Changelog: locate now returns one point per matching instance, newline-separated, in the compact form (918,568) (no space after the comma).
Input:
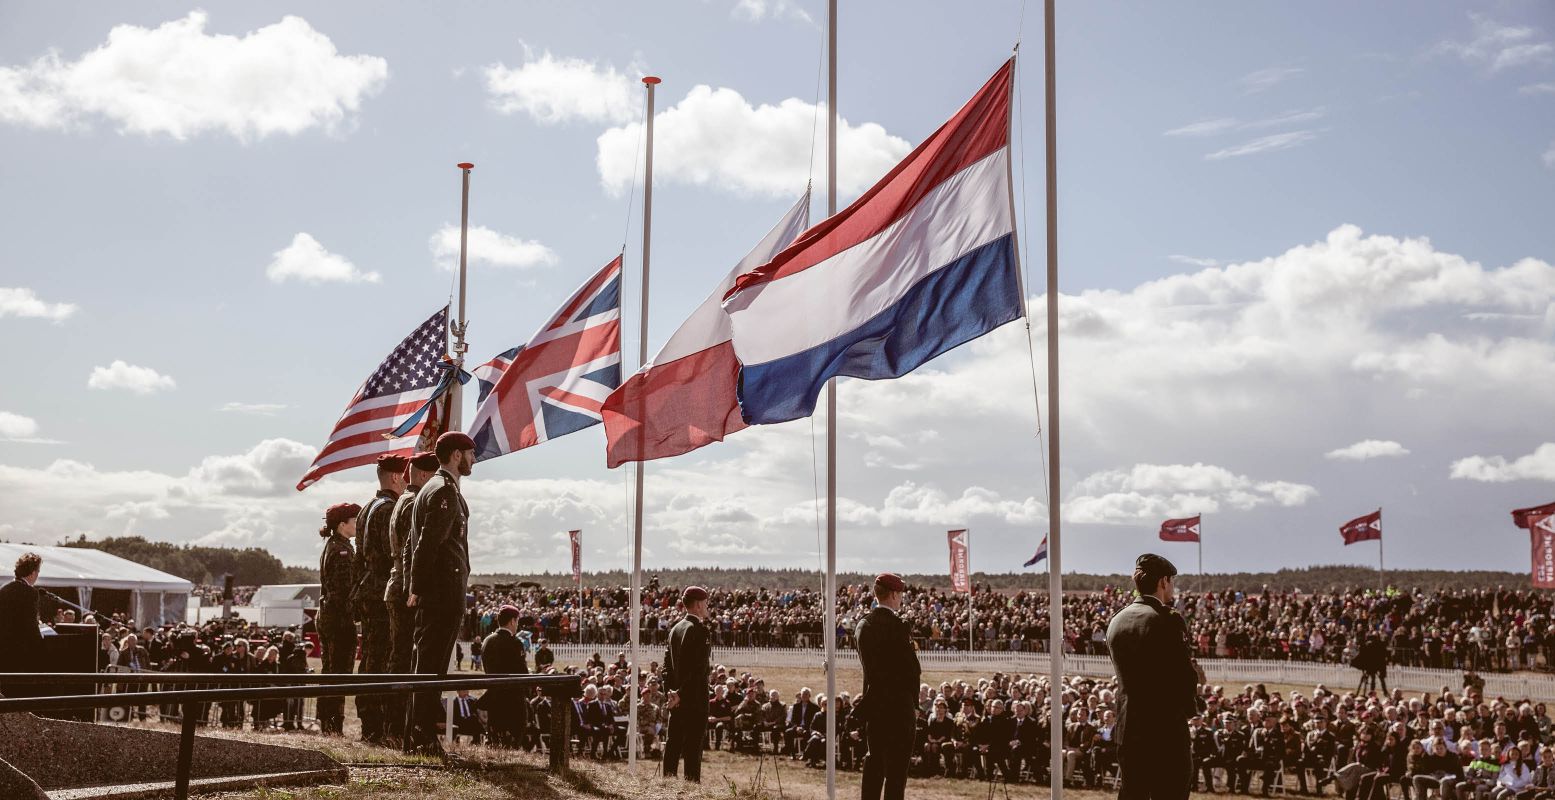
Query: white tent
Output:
(155,596)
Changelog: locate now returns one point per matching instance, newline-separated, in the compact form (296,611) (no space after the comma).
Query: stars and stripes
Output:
(401,388)
(557,383)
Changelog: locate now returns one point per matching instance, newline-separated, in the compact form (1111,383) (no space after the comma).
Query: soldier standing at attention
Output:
(402,618)
(890,699)
(687,661)
(336,627)
(1157,687)
(439,571)
(372,578)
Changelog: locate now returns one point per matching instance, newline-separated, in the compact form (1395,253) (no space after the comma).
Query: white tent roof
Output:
(77,566)
(276,592)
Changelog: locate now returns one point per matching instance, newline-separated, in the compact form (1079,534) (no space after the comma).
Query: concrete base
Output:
(43,758)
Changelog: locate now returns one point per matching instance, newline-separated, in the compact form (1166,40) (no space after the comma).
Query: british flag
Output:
(556,383)
(394,407)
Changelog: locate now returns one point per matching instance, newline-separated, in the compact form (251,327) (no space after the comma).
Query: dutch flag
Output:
(922,262)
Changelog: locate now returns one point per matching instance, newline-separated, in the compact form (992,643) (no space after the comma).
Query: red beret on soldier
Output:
(891,582)
(693,594)
(340,512)
(426,461)
(390,462)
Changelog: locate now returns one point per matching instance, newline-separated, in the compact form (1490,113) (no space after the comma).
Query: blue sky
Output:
(1286,231)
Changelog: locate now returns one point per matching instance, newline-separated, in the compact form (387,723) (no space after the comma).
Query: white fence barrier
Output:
(1228,672)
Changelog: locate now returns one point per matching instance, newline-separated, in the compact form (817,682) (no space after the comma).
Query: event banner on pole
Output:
(577,554)
(1180,530)
(1363,529)
(1541,528)
(960,580)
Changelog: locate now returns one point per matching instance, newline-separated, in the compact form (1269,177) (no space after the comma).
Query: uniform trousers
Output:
(375,660)
(402,632)
(437,628)
(888,734)
(337,635)
(685,739)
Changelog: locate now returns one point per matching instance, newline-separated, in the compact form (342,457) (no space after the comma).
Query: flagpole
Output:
(642,358)
(1201,552)
(456,389)
(1382,578)
(829,636)
(971,609)
(1055,580)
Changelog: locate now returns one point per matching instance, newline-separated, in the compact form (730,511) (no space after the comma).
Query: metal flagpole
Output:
(830,634)
(1382,578)
(1200,515)
(971,610)
(642,358)
(1055,580)
(456,391)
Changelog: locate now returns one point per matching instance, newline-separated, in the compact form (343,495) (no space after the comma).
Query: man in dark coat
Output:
(1157,687)
(23,648)
(402,618)
(504,655)
(439,574)
(687,661)
(335,619)
(373,561)
(889,703)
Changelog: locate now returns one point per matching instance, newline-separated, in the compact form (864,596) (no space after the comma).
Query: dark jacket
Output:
(23,650)
(1156,696)
(399,537)
(337,574)
(440,563)
(687,661)
(891,670)
(373,559)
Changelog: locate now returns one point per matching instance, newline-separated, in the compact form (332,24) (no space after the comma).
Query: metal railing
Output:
(561,687)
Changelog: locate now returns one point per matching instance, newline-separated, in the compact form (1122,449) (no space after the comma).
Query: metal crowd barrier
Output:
(561,688)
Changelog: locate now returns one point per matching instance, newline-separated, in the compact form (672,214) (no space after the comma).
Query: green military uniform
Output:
(1157,688)
(888,706)
(372,562)
(402,618)
(335,622)
(439,572)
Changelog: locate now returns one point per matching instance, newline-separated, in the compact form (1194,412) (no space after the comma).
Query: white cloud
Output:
(910,503)
(715,137)
(119,375)
(1152,492)
(1208,127)
(1264,144)
(1497,46)
(259,409)
(306,260)
(487,246)
(179,81)
(18,302)
(1195,262)
(271,467)
(1367,449)
(1536,466)
(1264,79)
(758,10)
(20,429)
(552,90)
(1547,87)
(1549,156)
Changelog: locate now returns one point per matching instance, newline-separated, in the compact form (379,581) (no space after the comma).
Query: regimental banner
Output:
(960,578)
(1520,516)
(1362,529)
(577,554)
(1180,530)
(1541,529)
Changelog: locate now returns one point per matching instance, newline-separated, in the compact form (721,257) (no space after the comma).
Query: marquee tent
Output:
(107,583)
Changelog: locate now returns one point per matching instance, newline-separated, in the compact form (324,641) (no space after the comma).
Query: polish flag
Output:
(685,397)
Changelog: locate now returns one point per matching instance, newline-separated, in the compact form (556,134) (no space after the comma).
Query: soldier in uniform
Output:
(439,571)
(1157,687)
(889,703)
(336,626)
(372,578)
(687,661)
(504,655)
(402,618)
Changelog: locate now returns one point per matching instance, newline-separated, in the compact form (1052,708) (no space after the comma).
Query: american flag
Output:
(556,383)
(399,389)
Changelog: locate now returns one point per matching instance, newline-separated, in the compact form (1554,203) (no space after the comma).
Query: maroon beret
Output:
(340,512)
(426,461)
(693,594)
(890,582)
(389,462)
(455,440)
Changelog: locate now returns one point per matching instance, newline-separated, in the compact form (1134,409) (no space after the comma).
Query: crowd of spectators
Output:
(1480,630)
(212,595)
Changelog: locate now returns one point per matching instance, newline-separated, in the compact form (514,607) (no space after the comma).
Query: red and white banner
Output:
(1180,530)
(577,554)
(1541,528)
(1520,516)
(1362,529)
(960,578)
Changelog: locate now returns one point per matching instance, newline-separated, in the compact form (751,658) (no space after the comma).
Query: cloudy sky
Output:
(1306,268)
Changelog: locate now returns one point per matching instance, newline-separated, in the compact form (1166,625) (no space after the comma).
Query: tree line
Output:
(249,566)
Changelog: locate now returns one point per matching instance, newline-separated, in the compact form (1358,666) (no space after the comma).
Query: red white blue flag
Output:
(1040,554)
(921,263)
(555,384)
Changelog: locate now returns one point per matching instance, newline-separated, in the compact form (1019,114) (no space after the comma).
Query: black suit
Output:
(439,572)
(687,661)
(23,649)
(890,700)
(504,655)
(1156,696)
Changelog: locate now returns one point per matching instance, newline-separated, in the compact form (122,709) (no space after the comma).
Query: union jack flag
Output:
(556,383)
(398,393)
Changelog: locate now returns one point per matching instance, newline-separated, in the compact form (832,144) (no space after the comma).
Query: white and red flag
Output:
(1541,529)
(1521,516)
(1180,530)
(960,578)
(577,554)
(1362,529)
(555,384)
(685,398)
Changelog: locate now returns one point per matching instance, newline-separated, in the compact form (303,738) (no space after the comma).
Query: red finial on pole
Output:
(651,80)
(465,165)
